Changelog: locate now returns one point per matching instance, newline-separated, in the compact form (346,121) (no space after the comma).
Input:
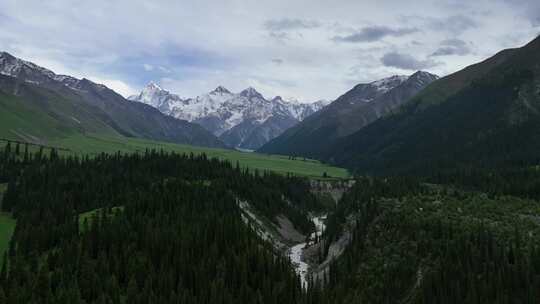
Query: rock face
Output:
(126,118)
(244,120)
(354,110)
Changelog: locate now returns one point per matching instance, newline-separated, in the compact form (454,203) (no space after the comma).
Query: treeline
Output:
(366,191)
(169,230)
(518,180)
(14,157)
(432,244)
(270,193)
(178,238)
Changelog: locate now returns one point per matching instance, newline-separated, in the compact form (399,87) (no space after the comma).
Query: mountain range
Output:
(484,116)
(487,114)
(62,106)
(244,120)
(352,111)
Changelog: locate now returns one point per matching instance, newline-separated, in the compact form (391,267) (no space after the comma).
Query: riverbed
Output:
(296,252)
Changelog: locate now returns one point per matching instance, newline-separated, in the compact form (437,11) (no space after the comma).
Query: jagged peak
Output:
(323,102)
(17,62)
(393,78)
(386,84)
(278,99)
(152,86)
(424,74)
(4,54)
(86,80)
(220,90)
(251,92)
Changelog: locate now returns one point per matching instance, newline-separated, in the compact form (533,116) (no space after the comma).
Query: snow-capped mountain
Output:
(245,120)
(357,108)
(30,72)
(97,108)
(158,98)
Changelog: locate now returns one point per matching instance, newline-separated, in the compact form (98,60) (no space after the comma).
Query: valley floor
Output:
(92,145)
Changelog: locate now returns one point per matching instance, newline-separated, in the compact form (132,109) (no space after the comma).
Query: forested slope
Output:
(420,243)
(487,115)
(166,228)
(178,237)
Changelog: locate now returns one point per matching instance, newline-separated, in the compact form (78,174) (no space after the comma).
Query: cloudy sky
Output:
(304,49)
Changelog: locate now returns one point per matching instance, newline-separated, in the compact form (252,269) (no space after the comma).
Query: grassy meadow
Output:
(95,144)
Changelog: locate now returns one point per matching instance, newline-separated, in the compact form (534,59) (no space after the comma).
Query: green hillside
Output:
(78,129)
(33,118)
(487,115)
(417,243)
(347,114)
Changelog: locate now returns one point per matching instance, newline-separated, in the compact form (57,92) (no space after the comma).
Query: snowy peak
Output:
(278,99)
(33,73)
(422,78)
(319,104)
(157,97)
(386,84)
(233,116)
(251,93)
(368,92)
(15,67)
(152,86)
(5,56)
(220,90)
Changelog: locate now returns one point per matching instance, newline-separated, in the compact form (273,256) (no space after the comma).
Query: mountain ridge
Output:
(355,109)
(486,115)
(245,120)
(126,118)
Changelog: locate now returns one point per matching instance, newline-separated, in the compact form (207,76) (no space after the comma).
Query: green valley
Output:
(69,127)
(96,144)
(137,184)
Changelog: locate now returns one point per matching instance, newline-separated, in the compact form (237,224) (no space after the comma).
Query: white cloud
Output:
(164,69)
(148,67)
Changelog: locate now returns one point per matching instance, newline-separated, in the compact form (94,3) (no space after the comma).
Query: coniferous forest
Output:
(235,152)
(416,242)
(167,228)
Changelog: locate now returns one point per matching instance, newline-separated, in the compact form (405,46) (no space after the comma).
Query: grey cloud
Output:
(277,61)
(101,38)
(286,28)
(455,24)
(530,9)
(374,33)
(406,61)
(453,47)
(534,16)
(287,24)
(279,36)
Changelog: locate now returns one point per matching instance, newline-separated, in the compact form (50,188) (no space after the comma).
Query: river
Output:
(296,252)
